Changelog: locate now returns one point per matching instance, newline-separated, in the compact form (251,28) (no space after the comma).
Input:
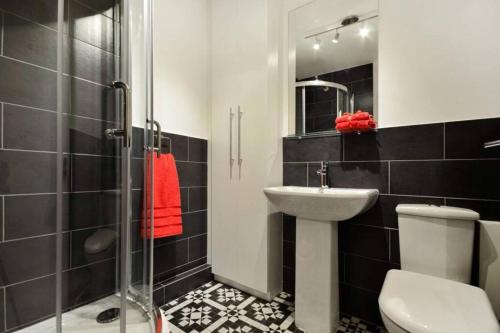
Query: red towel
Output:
(361,115)
(167,199)
(343,118)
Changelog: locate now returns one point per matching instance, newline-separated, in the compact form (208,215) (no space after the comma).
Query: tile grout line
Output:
(1,32)
(389,177)
(444,141)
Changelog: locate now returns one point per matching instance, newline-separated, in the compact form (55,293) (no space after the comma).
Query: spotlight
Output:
(363,32)
(335,39)
(317,44)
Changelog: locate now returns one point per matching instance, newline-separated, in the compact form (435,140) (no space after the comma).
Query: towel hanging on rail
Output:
(167,199)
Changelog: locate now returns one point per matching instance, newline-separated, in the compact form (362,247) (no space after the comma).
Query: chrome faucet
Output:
(323,173)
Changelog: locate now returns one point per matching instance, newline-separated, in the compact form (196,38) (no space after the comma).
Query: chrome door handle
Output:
(240,115)
(158,130)
(125,132)
(231,158)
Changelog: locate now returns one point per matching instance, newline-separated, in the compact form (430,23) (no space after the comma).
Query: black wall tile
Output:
(39,219)
(89,62)
(106,7)
(359,303)
(397,143)
(370,242)
(488,210)
(312,149)
(180,287)
(192,173)
(459,179)
(465,139)
(366,273)
(93,28)
(40,11)
(197,247)
(2,310)
(178,143)
(289,254)
(20,307)
(93,100)
(27,85)
(178,272)
(80,256)
(170,255)
(313,179)
(29,42)
(194,223)
(289,228)
(85,210)
(91,173)
(87,136)
(29,129)
(197,198)
(383,213)
(26,172)
(159,295)
(137,173)
(395,256)
(359,175)
(27,259)
(295,174)
(198,150)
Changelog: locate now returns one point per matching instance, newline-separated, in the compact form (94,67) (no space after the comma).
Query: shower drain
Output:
(108,316)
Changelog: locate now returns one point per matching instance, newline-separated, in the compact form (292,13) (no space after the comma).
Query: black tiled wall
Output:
(441,164)
(179,261)
(321,105)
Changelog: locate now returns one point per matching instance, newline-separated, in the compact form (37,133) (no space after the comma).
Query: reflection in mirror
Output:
(333,48)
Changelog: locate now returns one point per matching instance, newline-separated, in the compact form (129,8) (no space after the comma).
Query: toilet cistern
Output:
(322,172)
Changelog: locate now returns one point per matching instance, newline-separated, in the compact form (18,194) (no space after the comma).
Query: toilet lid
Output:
(426,304)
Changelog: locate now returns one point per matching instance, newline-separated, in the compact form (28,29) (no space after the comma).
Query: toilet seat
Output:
(421,303)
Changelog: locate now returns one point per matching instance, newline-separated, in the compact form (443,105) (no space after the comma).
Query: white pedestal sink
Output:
(316,278)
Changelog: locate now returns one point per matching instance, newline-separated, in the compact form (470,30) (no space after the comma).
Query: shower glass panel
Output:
(72,257)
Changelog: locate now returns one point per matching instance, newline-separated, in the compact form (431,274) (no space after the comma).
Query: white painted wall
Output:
(438,61)
(181,75)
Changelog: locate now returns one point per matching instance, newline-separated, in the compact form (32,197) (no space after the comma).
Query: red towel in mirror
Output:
(167,199)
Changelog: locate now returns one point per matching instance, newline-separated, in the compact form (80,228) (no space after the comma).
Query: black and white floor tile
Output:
(218,308)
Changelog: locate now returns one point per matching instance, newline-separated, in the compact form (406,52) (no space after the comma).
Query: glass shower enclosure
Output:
(90,268)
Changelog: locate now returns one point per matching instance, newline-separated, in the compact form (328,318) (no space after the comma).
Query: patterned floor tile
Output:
(219,308)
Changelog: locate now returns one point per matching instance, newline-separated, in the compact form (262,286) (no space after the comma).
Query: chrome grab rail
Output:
(125,132)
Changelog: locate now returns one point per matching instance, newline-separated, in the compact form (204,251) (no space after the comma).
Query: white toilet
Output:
(430,294)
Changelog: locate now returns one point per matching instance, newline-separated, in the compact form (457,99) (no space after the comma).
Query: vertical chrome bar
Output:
(231,158)
(60,163)
(303,110)
(240,115)
(339,111)
(125,167)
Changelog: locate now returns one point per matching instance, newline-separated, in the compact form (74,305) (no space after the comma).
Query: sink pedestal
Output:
(316,277)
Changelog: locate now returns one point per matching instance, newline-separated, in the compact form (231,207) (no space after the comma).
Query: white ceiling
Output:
(321,15)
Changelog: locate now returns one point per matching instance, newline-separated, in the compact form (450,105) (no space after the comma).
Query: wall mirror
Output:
(333,52)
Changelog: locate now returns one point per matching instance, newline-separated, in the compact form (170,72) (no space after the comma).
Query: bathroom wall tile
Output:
(370,242)
(198,150)
(383,213)
(18,262)
(289,228)
(289,255)
(459,179)
(465,139)
(184,199)
(27,172)
(29,129)
(488,210)
(194,223)
(197,198)
(87,136)
(353,74)
(312,149)
(27,85)
(20,308)
(88,62)
(359,175)
(88,26)
(85,210)
(29,42)
(92,100)
(295,174)
(137,173)
(178,143)
(40,11)
(395,256)
(170,255)
(39,219)
(2,219)
(197,247)
(396,143)
(366,273)
(91,173)
(364,102)
(362,87)
(179,271)
(2,308)
(177,288)
(359,303)
(313,179)
(105,7)
(90,282)
(192,174)
(137,142)
(159,295)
